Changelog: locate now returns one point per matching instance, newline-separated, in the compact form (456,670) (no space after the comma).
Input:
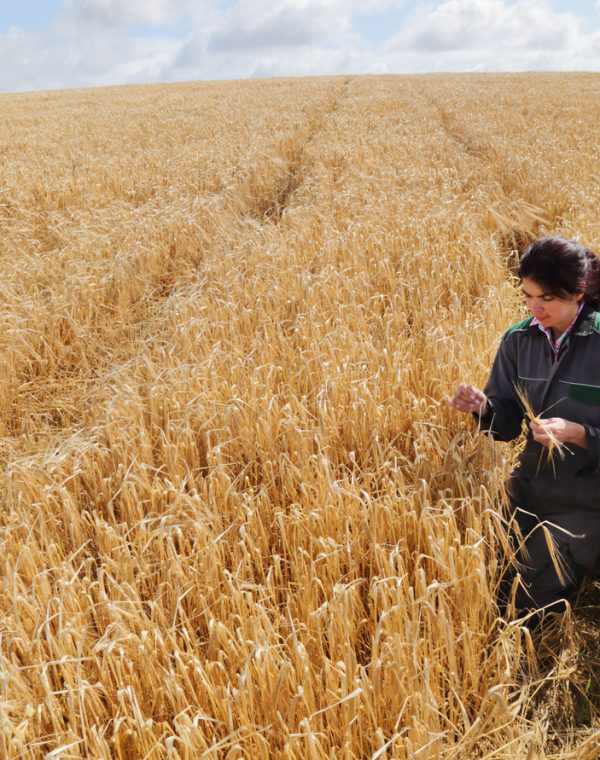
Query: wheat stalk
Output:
(555,446)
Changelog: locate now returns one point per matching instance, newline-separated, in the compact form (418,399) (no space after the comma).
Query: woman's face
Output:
(551,311)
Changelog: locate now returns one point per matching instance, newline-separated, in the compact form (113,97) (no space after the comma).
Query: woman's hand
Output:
(468,398)
(551,429)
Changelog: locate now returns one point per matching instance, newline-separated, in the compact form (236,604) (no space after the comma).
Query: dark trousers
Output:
(541,588)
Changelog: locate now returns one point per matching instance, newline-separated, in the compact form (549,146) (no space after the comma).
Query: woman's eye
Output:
(545,299)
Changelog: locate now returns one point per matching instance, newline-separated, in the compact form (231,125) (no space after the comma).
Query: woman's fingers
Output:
(468,398)
(551,429)
(539,433)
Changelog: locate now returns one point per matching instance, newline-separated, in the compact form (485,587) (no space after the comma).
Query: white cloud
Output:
(30,61)
(493,34)
(121,13)
(463,24)
(278,26)
(259,38)
(94,42)
(262,24)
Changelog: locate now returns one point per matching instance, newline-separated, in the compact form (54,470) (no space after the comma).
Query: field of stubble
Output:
(239,518)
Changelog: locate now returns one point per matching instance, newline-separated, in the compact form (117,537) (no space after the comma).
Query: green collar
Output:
(587,323)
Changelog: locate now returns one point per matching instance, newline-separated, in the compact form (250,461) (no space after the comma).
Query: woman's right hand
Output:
(468,398)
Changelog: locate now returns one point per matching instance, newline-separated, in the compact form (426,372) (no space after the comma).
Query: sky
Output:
(47,44)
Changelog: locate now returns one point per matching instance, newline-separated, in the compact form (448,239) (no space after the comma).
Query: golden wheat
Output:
(239,519)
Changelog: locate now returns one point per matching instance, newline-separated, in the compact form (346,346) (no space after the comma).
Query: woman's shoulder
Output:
(521,326)
(595,315)
(588,322)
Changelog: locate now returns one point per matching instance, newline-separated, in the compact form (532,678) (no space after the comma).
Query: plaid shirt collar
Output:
(556,344)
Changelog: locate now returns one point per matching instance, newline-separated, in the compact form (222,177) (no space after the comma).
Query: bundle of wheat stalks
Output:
(239,518)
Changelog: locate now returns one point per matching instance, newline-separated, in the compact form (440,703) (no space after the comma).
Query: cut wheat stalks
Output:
(555,446)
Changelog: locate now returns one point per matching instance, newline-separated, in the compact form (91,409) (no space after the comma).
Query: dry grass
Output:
(239,518)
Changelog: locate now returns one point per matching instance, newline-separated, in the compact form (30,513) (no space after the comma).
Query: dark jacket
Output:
(567,386)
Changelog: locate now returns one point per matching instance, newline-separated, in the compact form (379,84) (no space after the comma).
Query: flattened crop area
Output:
(239,518)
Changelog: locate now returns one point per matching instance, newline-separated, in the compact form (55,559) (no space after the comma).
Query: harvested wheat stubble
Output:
(240,519)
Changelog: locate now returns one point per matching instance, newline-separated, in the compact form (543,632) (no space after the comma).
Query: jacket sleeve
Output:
(504,417)
(592,438)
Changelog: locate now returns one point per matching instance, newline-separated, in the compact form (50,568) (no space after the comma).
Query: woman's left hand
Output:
(554,429)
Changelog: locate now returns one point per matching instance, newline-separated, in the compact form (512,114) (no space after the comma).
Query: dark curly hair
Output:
(563,268)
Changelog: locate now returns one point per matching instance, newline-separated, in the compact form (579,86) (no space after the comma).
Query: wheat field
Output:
(239,518)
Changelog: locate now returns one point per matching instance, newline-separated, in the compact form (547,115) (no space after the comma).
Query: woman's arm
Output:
(503,416)
(566,431)
(496,408)
(592,444)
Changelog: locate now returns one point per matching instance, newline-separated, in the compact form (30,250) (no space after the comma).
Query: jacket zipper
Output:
(558,358)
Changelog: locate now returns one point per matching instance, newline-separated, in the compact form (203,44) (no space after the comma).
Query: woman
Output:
(552,358)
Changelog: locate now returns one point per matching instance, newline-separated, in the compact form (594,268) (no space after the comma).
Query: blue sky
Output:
(30,15)
(74,43)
